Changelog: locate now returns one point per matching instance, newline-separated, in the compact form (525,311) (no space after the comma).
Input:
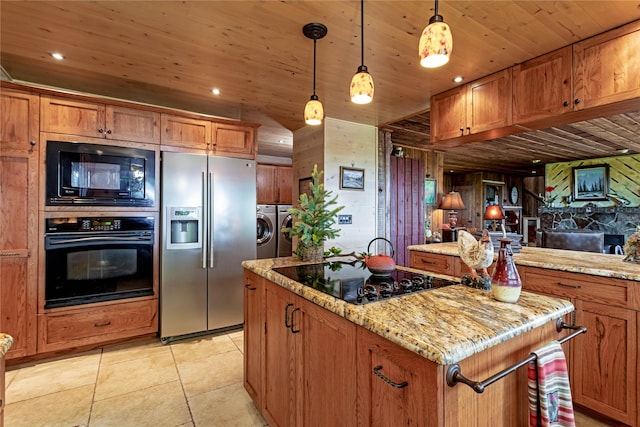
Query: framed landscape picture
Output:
(351,178)
(590,183)
(430,192)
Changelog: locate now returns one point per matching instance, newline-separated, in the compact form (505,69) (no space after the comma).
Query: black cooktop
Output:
(354,283)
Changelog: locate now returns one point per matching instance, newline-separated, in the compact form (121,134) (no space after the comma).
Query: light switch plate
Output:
(344,219)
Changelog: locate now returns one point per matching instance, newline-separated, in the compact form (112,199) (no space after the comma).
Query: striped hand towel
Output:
(549,393)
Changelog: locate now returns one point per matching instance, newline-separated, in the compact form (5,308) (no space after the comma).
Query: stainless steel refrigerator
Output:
(208,229)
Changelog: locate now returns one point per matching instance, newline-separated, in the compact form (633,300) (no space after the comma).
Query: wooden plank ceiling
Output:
(173,53)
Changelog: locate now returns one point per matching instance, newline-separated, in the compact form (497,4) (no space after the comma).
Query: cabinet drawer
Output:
(573,285)
(97,324)
(435,263)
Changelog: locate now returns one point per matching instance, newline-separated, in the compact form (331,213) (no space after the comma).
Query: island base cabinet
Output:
(253,334)
(605,361)
(396,387)
(309,355)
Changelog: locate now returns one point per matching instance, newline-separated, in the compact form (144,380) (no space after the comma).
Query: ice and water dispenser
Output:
(185,231)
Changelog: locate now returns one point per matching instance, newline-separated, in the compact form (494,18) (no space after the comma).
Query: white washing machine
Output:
(267,234)
(284,241)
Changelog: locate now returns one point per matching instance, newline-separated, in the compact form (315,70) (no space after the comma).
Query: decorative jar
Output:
(505,282)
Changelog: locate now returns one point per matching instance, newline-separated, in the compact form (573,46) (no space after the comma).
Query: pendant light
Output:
(362,83)
(313,111)
(436,42)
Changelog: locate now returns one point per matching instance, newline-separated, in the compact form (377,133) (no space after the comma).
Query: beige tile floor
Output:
(191,383)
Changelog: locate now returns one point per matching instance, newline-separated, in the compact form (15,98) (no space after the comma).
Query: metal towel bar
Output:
(454,375)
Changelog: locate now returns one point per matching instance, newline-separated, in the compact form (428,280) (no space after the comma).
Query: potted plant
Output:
(314,219)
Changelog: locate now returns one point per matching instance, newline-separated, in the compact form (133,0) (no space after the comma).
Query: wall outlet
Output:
(344,219)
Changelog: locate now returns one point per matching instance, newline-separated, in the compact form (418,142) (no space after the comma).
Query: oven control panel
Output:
(80,224)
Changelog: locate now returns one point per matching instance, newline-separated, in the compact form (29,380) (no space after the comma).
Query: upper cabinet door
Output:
(130,124)
(185,132)
(234,140)
(448,114)
(489,102)
(71,117)
(542,86)
(607,67)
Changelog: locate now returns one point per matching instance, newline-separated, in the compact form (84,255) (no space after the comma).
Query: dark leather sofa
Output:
(575,240)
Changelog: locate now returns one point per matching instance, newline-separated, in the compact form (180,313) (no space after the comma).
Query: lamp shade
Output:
(436,43)
(361,90)
(313,111)
(451,201)
(493,212)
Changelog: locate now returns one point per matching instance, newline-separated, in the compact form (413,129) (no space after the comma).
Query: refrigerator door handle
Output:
(203,223)
(211,235)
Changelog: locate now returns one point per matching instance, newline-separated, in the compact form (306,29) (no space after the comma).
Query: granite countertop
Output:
(444,325)
(557,259)
(5,343)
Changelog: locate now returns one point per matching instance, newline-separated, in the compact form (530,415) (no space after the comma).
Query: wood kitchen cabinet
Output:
(607,67)
(481,105)
(305,381)
(96,323)
(254,286)
(435,263)
(2,387)
(542,87)
(403,401)
(234,140)
(19,189)
(97,120)
(220,139)
(274,184)
(603,363)
(185,132)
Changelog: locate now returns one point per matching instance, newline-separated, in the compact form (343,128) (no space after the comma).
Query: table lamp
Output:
(494,213)
(452,201)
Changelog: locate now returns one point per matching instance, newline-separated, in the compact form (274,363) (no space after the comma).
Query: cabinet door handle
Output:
(295,331)
(286,315)
(566,285)
(100,130)
(576,101)
(565,104)
(99,325)
(392,383)
(249,287)
(109,131)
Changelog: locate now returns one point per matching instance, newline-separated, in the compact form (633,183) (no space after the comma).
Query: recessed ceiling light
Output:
(534,172)
(535,161)
(281,141)
(215,91)
(458,79)
(623,150)
(57,56)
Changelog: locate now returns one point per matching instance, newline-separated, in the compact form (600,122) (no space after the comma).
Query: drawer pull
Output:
(376,371)
(250,288)
(427,262)
(99,325)
(568,285)
(10,254)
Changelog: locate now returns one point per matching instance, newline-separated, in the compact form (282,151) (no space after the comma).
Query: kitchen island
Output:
(606,294)
(313,359)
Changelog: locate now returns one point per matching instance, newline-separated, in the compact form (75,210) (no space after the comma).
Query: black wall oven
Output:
(91,260)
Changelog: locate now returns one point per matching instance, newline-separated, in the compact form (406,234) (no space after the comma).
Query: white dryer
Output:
(284,241)
(267,234)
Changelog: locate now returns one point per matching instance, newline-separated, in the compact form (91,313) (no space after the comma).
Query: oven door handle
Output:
(99,239)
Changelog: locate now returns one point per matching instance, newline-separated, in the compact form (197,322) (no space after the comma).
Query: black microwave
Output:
(99,175)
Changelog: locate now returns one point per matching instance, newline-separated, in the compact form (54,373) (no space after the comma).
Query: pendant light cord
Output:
(362,31)
(314,67)
(435,9)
